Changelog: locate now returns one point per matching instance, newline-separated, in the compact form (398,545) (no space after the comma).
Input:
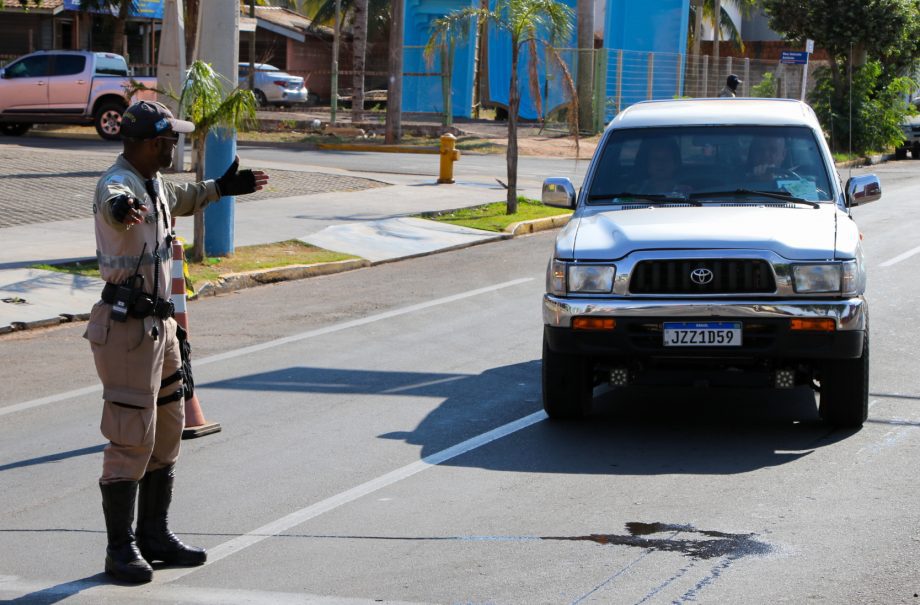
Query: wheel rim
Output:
(110,122)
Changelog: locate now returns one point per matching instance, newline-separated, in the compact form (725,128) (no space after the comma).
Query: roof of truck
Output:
(711,112)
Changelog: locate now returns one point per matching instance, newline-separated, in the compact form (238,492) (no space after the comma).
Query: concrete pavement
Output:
(46,217)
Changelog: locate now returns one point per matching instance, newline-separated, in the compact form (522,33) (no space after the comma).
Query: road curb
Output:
(372,147)
(538,224)
(248,279)
(233,282)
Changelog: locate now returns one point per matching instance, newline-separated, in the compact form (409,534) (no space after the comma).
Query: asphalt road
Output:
(383,441)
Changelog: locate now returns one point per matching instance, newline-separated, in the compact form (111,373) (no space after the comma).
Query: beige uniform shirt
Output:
(119,247)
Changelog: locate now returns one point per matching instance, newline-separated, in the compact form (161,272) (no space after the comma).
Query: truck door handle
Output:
(81,82)
(40,83)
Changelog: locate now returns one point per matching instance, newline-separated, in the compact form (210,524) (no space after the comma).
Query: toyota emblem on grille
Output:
(701,276)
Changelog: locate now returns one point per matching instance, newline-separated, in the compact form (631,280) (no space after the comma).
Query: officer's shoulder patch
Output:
(116,179)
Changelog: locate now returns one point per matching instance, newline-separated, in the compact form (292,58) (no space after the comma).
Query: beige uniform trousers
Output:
(131,363)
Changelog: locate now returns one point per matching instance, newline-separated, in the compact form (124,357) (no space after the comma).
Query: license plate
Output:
(702,334)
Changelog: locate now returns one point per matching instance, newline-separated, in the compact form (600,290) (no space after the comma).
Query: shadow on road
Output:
(632,431)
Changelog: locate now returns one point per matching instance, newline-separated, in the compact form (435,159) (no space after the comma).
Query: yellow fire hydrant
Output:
(449,155)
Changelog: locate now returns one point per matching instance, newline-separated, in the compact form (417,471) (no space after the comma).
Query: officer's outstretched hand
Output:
(128,210)
(240,182)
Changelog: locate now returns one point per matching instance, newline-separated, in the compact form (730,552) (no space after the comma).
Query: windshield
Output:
(690,162)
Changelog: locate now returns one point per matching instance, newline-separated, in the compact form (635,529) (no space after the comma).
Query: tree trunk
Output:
(191,30)
(481,31)
(697,38)
(395,67)
(359,50)
(697,28)
(118,38)
(514,102)
(196,254)
(716,37)
(585,81)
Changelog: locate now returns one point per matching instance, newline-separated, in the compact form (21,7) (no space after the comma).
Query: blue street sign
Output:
(794,57)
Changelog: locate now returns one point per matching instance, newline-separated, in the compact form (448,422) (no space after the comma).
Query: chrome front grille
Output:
(702,276)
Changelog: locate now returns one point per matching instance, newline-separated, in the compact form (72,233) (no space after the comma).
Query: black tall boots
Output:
(154,539)
(122,559)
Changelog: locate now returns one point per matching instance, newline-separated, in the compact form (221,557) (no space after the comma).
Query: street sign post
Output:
(798,57)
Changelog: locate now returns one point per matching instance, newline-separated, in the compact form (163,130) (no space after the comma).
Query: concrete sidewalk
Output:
(372,223)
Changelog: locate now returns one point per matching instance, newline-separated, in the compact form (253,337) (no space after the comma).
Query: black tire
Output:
(15,129)
(915,151)
(260,98)
(845,390)
(107,120)
(568,384)
(901,153)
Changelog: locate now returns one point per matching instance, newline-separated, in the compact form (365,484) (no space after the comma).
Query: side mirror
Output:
(559,192)
(863,189)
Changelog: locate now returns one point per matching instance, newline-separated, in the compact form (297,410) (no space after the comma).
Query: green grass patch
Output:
(244,258)
(88,268)
(494,217)
(265,256)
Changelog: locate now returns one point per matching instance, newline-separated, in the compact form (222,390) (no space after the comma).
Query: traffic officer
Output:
(731,86)
(134,337)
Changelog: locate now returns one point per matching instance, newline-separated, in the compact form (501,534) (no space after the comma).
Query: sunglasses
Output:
(172,139)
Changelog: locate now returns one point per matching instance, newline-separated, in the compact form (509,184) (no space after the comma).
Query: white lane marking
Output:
(303,515)
(901,257)
(94,591)
(27,405)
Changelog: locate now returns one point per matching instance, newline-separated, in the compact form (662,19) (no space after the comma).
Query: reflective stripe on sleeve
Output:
(129,262)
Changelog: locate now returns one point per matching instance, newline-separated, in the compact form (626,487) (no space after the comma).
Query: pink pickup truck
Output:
(66,87)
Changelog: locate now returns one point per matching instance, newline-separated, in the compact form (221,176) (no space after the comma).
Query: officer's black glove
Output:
(123,204)
(236,182)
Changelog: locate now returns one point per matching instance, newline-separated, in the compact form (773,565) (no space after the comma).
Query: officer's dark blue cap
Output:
(149,119)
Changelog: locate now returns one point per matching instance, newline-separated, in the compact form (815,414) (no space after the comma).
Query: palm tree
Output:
(205,102)
(529,23)
(120,10)
(370,19)
(705,10)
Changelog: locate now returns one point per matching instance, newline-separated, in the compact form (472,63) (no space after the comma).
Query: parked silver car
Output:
(272,86)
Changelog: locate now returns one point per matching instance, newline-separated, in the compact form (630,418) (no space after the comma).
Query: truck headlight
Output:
(589,279)
(814,279)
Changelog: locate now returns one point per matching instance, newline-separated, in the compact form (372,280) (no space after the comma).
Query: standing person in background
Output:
(731,86)
(136,342)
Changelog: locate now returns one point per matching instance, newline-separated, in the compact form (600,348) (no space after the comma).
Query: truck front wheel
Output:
(845,390)
(108,120)
(15,129)
(568,384)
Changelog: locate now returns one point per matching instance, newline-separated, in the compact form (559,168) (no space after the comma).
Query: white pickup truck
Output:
(66,87)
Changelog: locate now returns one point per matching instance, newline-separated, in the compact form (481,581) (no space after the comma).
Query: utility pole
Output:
(716,37)
(395,69)
(335,61)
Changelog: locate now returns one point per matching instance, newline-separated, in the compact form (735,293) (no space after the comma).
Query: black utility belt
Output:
(127,301)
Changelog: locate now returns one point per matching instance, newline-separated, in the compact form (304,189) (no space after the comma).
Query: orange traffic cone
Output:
(195,424)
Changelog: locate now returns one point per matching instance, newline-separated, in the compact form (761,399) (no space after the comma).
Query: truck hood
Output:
(610,233)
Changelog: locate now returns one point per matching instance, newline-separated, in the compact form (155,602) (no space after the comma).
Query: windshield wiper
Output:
(651,198)
(777,195)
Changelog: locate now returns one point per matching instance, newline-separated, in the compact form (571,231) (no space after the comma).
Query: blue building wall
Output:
(637,27)
(424,93)
(552,85)
(640,27)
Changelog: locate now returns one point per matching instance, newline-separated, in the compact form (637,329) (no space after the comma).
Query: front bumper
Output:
(766,329)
